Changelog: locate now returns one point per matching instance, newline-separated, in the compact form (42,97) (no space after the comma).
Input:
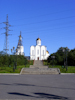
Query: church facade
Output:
(38,52)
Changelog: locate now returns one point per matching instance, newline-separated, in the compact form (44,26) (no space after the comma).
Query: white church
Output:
(20,48)
(38,52)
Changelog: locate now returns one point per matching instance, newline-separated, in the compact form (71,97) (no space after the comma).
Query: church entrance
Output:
(38,58)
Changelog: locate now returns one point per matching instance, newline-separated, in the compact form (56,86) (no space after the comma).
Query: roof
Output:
(38,39)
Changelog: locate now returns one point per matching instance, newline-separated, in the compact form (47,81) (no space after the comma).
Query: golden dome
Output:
(38,39)
(47,52)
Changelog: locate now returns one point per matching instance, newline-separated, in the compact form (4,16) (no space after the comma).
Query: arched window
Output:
(32,52)
(37,52)
(43,52)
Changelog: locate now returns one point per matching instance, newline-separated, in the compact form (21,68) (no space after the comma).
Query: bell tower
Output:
(20,48)
(38,41)
(20,40)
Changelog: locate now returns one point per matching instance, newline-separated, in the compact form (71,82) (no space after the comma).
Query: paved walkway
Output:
(37,87)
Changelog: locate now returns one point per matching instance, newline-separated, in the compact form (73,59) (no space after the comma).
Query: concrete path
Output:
(38,64)
(37,87)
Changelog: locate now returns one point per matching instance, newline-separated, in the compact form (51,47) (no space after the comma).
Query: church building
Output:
(38,52)
(20,48)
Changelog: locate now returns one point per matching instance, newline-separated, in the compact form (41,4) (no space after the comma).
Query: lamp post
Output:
(53,57)
(65,51)
(64,57)
(66,60)
(15,63)
(25,61)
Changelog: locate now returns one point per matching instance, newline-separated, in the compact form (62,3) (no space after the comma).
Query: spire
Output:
(20,40)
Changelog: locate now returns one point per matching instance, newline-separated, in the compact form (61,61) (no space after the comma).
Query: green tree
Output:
(60,55)
(71,58)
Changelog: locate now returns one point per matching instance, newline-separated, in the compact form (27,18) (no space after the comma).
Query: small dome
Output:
(38,39)
(47,52)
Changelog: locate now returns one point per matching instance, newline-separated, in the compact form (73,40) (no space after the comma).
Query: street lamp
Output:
(53,57)
(15,63)
(64,57)
(65,51)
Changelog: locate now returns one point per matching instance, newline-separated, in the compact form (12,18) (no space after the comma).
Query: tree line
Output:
(63,56)
(10,60)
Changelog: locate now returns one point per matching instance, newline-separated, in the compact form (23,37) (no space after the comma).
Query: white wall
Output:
(47,55)
(37,52)
(38,42)
(32,53)
(20,50)
(43,52)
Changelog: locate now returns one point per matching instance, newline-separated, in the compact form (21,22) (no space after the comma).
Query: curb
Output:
(36,99)
(67,74)
(40,74)
(9,74)
(33,99)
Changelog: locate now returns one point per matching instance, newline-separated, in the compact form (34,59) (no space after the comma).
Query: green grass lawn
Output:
(10,69)
(5,69)
(70,69)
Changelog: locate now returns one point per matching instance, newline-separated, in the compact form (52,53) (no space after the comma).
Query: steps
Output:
(32,66)
(38,64)
(39,68)
(40,71)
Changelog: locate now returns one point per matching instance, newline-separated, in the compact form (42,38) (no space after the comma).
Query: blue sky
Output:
(53,21)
